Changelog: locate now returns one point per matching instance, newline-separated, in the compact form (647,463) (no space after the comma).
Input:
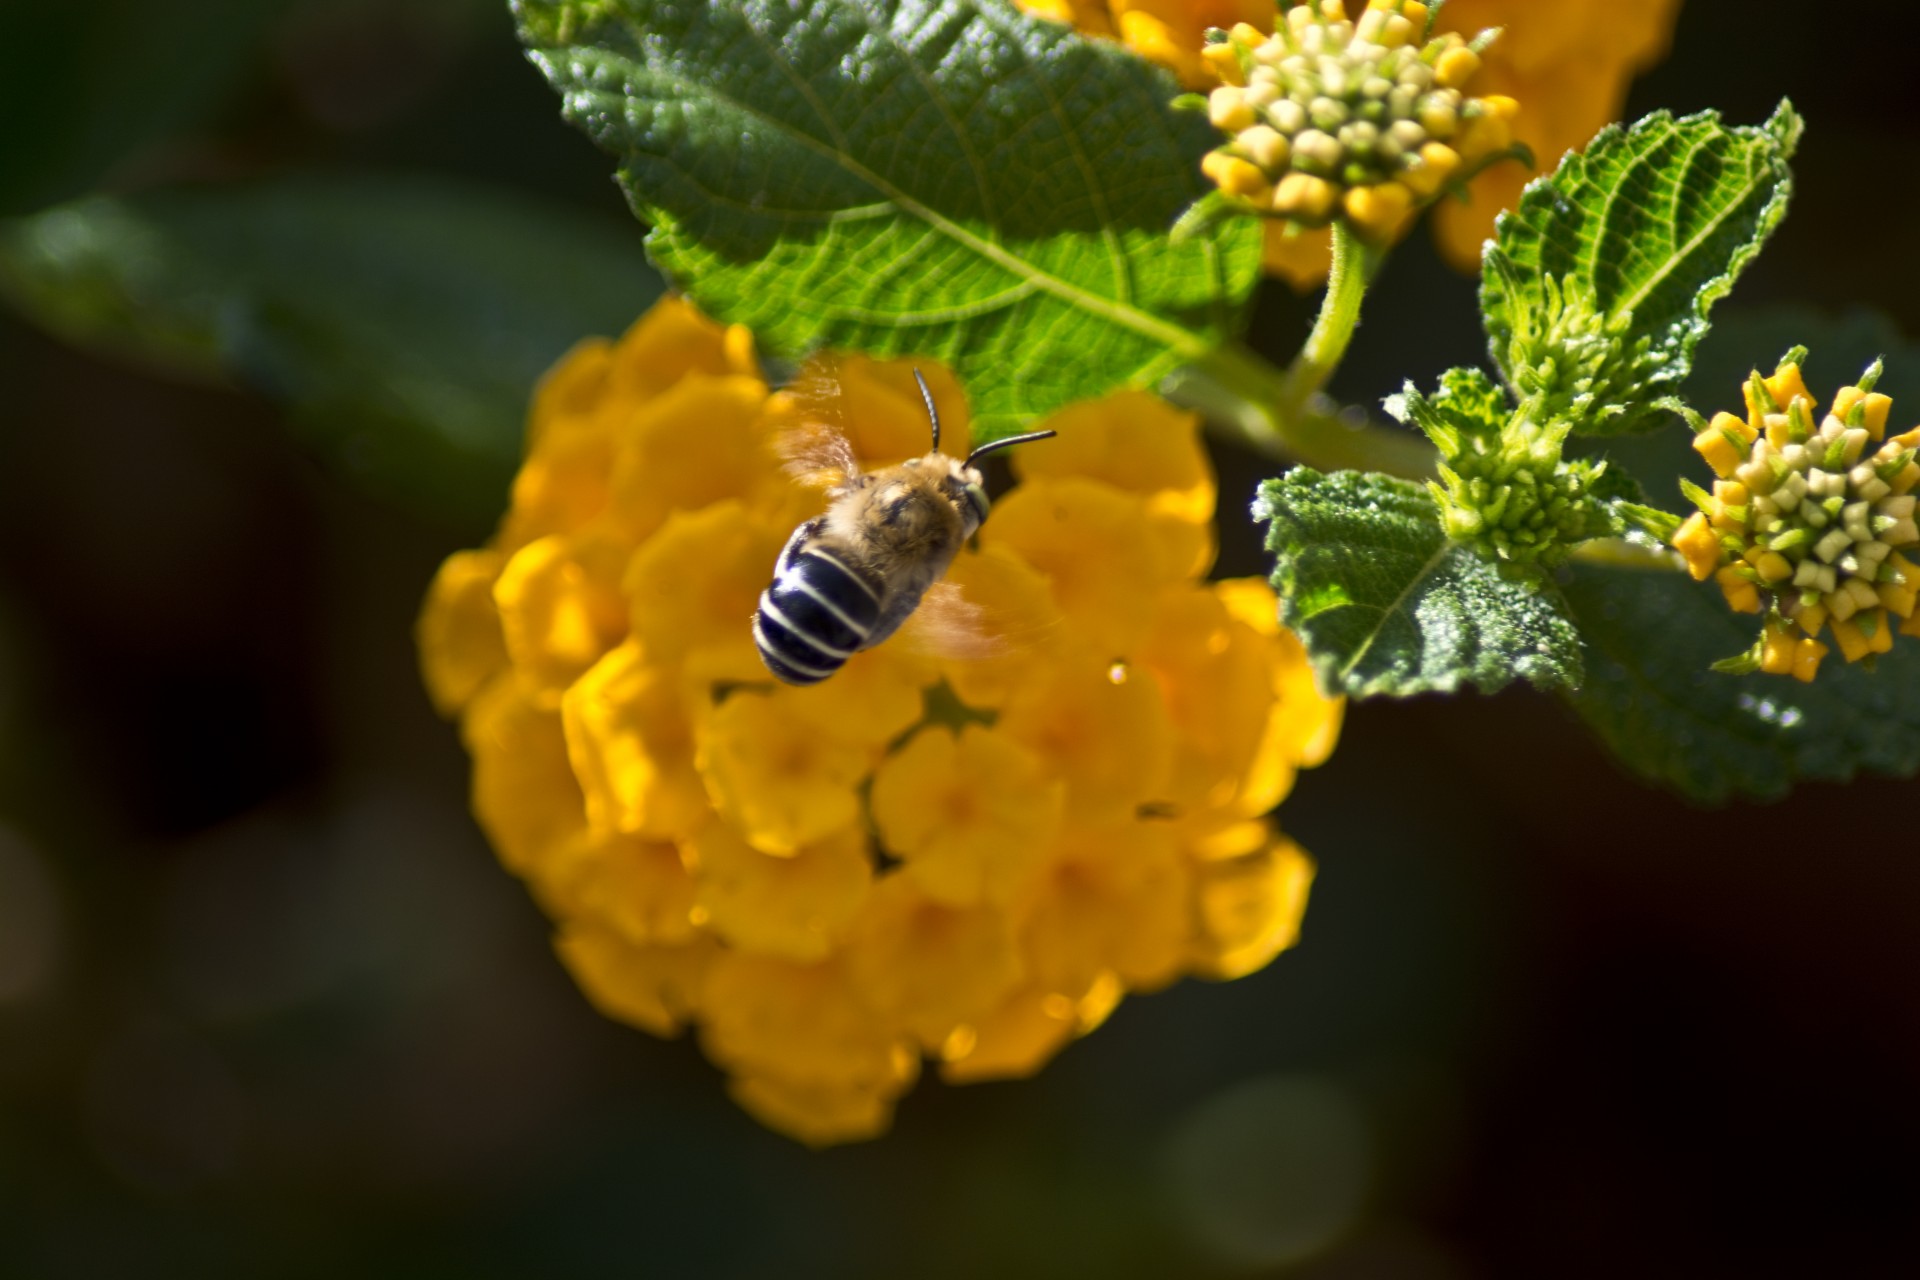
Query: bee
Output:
(847,579)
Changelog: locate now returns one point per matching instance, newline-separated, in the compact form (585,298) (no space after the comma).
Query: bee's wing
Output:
(946,624)
(951,624)
(807,434)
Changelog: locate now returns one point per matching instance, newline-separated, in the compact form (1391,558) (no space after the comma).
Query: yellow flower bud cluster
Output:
(1809,521)
(969,858)
(1365,120)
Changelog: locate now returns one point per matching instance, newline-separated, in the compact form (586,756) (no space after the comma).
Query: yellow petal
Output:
(1140,444)
(1102,728)
(1216,675)
(524,793)
(638,889)
(775,777)
(971,815)
(697,443)
(929,967)
(1306,722)
(655,988)
(572,390)
(876,405)
(1025,1032)
(1113,900)
(819,1115)
(562,486)
(877,696)
(1248,908)
(1093,544)
(695,584)
(631,742)
(561,609)
(673,341)
(797,906)
(1016,612)
(1571,66)
(800,1024)
(461,647)
(1302,256)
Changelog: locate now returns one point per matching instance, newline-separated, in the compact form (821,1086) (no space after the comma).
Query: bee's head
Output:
(963,484)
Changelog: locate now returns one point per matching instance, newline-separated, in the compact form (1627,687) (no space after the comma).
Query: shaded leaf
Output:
(403,322)
(1387,605)
(1652,637)
(951,179)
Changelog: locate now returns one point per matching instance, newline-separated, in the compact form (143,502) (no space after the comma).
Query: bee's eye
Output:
(977,499)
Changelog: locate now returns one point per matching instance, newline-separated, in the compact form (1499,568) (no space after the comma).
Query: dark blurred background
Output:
(269,1008)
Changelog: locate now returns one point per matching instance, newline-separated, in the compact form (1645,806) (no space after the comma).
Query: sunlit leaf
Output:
(1598,286)
(950,179)
(1388,605)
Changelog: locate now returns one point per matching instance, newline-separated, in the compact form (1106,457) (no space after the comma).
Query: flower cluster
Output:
(1569,62)
(1808,522)
(971,858)
(1366,120)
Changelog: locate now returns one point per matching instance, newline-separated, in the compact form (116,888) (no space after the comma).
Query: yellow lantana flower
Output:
(969,857)
(1570,63)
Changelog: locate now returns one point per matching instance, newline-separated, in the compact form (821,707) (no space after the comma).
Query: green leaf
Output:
(1652,637)
(1598,286)
(1387,605)
(403,322)
(1651,641)
(952,180)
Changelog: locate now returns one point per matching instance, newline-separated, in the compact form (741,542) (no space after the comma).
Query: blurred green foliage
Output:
(84,88)
(401,320)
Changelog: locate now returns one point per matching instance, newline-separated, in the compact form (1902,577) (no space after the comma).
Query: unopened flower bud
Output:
(1806,523)
(1354,104)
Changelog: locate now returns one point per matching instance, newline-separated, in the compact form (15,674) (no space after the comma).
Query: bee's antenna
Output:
(991,445)
(933,414)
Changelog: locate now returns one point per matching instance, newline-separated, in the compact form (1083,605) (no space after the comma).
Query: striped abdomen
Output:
(818,612)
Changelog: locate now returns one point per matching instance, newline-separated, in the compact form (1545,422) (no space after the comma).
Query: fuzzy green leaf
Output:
(953,180)
(1652,637)
(1599,284)
(1387,605)
(404,323)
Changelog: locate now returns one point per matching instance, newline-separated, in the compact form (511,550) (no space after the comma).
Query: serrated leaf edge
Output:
(1183,343)
(1333,679)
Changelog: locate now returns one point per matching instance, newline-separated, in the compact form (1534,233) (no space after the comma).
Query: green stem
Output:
(1353,267)
(1284,414)
(1245,398)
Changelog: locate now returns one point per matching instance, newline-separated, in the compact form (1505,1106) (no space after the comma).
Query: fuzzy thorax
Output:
(904,525)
